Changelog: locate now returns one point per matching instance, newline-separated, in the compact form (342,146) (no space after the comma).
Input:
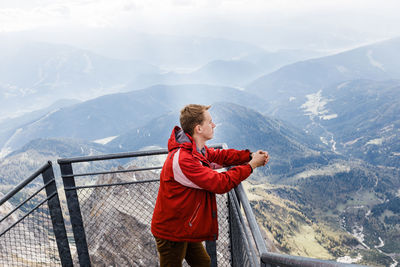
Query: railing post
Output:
(75,213)
(211,247)
(57,216)
(255,230)
(231,230)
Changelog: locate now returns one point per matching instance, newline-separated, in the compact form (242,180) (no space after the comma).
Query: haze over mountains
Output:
(375,62)
(35,74)
(114,114)
(331,125)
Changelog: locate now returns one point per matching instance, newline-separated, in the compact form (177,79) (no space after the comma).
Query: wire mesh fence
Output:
(32,230)
(117,221)
(117,224)
(30,240)
(223,242)
(240,247)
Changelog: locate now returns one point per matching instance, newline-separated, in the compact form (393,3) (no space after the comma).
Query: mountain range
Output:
(349,100)
(34,75)
(363,119)
(293,82)
(114,114)
(241,128)
(330,124)
(308,178)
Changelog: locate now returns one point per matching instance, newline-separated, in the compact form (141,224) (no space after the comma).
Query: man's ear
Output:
(197,128)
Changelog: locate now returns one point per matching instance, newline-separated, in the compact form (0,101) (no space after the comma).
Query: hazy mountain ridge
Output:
(240,128)
(358,118)
(36,74)
(106,116)
(20,164)
(372,133)
(355,111)
(379,61)
(11,126)
(235,73)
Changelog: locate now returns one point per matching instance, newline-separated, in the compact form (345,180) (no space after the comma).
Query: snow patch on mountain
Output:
(6,149)
(377,141)
(331,142)
(352,142)
(106,140)
(315,106)
(348,259)
(373,62)
(340,86)
(327,170)
(342,69)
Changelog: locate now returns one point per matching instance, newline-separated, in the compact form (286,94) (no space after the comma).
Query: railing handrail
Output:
(113,156)
(22,184)
(121,155)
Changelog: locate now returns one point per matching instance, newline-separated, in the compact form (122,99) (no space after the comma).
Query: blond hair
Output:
(192,115)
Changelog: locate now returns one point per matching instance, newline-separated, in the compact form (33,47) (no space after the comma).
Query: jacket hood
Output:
(179,139)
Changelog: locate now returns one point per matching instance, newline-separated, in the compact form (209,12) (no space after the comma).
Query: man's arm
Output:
(191,173)
(228,157)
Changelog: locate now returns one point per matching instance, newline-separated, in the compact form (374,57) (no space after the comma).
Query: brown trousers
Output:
(172,253)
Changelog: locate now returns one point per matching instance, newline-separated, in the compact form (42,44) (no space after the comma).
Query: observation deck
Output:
(107,215)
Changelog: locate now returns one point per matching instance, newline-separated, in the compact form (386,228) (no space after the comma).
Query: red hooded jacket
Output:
(186,208)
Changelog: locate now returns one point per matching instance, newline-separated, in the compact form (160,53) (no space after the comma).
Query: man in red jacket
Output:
(186,210)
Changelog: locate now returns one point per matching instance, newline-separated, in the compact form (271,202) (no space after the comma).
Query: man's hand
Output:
(259,158)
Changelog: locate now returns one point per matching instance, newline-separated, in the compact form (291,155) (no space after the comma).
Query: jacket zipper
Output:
(194,215)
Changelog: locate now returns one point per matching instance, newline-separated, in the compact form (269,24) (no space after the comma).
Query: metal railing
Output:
(33,232)
(119,199)
(111,217)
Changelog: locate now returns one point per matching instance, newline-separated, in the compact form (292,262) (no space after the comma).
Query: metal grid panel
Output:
(117,223)
(30,242)
(223,242)
(239,245)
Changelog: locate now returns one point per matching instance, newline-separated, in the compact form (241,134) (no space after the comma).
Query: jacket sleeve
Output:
(192,171)
(228,157)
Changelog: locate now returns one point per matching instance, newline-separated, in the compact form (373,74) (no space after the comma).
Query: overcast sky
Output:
(313,24)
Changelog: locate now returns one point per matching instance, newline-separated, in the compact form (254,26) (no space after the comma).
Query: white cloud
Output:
(273,22)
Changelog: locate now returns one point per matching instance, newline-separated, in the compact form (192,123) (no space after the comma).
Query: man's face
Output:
(207,127)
